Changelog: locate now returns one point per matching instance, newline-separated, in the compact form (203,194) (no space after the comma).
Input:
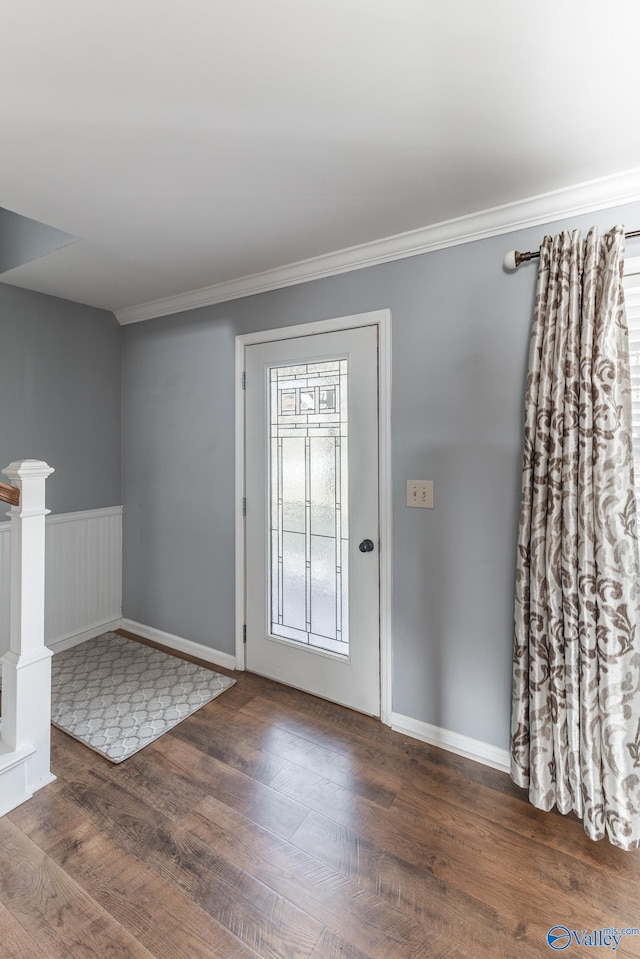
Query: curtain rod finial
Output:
(513,259)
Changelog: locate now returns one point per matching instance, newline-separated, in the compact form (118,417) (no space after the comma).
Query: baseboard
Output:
(181,645)
(74,639)
(41,783)
(474,749)
(13,786)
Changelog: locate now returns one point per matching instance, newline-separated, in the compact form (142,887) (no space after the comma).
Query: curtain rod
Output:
(513,259)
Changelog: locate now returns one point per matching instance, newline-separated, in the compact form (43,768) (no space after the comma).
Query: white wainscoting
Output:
(5,589)
(83,576)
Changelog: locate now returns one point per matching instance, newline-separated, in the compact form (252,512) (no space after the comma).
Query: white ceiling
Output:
(192,142)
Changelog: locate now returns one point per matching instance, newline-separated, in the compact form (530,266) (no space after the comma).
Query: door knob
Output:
(366,546)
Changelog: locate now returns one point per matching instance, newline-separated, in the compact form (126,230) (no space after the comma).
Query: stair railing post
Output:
(26,667)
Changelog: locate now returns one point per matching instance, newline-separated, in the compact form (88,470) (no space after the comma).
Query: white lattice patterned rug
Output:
(116,695)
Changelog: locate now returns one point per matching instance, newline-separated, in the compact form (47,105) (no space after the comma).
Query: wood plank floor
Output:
(274,824)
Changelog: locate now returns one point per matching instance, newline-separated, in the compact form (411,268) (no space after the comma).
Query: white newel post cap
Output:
(28,469)
(30,477)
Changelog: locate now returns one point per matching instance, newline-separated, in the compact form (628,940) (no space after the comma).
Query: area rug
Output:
(116,695)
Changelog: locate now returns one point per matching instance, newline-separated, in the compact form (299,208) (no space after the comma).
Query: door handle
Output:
(366,546)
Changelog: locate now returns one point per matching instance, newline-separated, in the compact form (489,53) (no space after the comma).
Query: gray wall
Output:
(60,396)
(460,339)
(23,240)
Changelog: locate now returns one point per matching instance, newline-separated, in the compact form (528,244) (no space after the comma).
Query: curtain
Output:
(575,731)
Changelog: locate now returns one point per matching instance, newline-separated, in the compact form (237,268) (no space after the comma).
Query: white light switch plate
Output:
(420,493)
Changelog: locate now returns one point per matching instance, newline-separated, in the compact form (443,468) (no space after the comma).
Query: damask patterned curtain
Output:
(575,733)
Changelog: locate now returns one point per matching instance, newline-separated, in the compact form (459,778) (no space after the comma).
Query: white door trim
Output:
(381,319)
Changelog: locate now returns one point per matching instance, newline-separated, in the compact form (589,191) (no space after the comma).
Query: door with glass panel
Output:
(311,462)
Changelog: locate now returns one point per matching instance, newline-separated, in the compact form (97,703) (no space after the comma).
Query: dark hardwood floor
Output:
(274,824)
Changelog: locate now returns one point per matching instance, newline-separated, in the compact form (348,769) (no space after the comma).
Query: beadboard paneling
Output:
(83,575)
(5,587)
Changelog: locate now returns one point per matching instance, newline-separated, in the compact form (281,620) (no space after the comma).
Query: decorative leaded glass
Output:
(309,521)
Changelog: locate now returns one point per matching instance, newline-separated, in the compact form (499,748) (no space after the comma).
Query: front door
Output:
(312,515)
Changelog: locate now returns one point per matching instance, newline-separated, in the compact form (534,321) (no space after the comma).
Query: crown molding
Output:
(609,191)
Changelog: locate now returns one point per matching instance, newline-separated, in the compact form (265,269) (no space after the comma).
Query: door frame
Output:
(382,320)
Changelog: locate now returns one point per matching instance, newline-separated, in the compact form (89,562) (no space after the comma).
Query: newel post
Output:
(26,667)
